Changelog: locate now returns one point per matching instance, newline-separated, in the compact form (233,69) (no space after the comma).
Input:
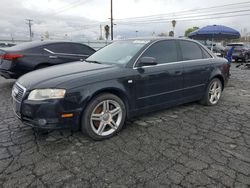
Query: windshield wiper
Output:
(90,61)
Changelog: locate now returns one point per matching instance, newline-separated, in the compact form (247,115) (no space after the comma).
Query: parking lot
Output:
(185,146)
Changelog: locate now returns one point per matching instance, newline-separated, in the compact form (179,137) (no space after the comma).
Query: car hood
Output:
(57,75)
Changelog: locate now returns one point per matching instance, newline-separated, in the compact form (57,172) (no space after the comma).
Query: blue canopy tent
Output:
(214,32)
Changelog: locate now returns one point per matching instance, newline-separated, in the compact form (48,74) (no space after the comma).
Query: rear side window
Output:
(163,51)
(70,48)
(190,50)
(205,54)
(82,49)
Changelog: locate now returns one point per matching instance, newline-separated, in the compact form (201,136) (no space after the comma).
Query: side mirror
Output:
(147,61)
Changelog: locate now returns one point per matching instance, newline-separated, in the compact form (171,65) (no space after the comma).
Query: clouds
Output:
(13,22)
(79,19)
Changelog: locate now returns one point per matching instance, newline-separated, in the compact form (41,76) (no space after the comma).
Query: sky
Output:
(81,19)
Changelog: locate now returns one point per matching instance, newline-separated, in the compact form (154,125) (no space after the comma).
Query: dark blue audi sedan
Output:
(124,79)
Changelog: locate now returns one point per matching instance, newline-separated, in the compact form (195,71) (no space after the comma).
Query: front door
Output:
(162,83)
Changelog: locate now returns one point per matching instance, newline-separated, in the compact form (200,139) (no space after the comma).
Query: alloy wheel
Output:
(106,117)
(215,92)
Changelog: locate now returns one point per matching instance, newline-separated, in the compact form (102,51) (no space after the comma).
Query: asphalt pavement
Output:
(185,146)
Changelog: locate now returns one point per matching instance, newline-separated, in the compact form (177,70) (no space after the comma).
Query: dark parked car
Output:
(125,79)
(5,44)
(20,59)
(241,51)
(218,49)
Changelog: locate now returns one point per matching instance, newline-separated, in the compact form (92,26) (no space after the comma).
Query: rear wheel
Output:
(213,93)
(104,116)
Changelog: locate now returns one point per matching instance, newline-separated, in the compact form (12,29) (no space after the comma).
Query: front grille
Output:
(18,92)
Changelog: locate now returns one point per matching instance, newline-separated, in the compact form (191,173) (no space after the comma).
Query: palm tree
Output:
(173,24)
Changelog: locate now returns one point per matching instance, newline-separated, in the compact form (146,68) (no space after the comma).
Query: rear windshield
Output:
(26,45)
(235,45)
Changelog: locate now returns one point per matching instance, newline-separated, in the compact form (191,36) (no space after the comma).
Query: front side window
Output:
(163,51)
(60,48)
(190,51)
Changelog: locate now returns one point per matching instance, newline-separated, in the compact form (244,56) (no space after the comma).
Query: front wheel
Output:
(103,117)
(213,93)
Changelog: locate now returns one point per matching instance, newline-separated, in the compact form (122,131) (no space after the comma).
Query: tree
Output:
(163,35)
(46,35)
(171,33)
(173,24)
(190,30)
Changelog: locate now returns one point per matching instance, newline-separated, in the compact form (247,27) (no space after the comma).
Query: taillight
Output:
(10,56)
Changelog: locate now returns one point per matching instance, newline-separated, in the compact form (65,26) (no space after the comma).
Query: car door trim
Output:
(65,53)
(163,93)
(171,63)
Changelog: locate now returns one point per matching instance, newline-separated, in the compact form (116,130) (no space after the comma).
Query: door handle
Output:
(178,72)
(53,57)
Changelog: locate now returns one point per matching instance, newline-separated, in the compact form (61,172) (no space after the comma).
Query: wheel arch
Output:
(42,64)
(220,77)
(115,91)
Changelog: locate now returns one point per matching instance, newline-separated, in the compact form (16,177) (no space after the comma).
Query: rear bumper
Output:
(8,74)
(238,56)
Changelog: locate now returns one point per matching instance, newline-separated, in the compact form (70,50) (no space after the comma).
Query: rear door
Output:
(162,83)
(67,52)
(197,65)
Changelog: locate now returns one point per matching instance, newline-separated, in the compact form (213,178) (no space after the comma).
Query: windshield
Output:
(118,52)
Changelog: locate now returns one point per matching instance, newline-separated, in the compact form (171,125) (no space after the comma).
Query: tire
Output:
(103,117)
(213,93)
(246,58)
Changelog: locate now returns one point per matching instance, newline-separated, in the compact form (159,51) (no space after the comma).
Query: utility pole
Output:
(30,24)
(100,33)
(111,19)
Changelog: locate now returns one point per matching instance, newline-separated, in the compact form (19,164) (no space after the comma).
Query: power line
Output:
(72,5)
(185,20)
(184,17)
(186,11)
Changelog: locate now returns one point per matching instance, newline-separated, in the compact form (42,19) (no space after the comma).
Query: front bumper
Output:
(47,114)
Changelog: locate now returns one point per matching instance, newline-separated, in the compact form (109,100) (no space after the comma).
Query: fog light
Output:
(42,122)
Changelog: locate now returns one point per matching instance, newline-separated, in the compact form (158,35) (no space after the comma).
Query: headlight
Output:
(43,94)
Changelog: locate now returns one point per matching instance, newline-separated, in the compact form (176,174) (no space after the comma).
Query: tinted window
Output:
(82,49)
(205,54)
(70,48)
(163,52)
(235,44)
(190,50)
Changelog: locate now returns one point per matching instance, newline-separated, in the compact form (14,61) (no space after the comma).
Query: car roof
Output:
(154,39)
(33,44)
